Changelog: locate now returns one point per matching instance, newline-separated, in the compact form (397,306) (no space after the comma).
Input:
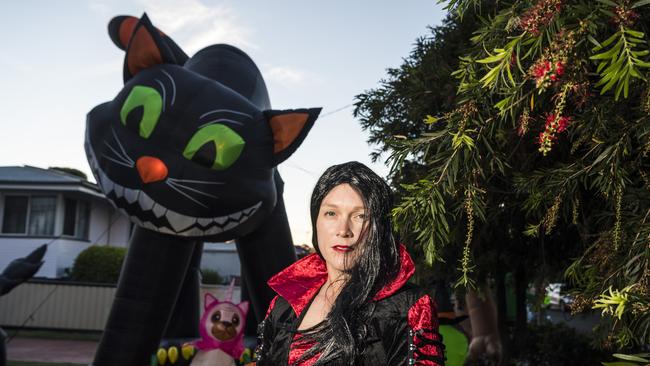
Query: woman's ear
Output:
(145,45)
(289,128)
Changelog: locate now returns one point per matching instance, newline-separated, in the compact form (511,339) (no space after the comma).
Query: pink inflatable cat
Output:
(222,326)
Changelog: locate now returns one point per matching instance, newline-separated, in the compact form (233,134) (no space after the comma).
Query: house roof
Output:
(33,178)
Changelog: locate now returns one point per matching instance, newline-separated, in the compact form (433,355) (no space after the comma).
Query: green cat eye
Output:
(227,144)
(150,100)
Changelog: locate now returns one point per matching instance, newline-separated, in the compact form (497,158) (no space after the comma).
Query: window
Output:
(15,215)
(32,215)
(75,219)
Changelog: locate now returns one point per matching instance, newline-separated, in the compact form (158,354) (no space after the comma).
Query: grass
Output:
(27,363)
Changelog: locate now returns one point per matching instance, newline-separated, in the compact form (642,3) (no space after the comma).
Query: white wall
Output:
(221,257)
(62,252)
(103,214)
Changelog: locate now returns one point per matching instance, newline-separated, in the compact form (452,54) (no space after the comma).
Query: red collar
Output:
(300,282)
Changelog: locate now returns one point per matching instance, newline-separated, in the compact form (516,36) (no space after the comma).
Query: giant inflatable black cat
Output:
(188,150)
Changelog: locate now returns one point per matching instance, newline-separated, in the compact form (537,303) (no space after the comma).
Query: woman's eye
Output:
(329,213)
(360,217)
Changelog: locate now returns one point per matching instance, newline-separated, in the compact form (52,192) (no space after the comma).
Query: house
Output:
(46,206)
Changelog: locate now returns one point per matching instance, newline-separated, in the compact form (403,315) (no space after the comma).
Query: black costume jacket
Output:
(403,329)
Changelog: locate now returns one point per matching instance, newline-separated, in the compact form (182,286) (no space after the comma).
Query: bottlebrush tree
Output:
(545,147)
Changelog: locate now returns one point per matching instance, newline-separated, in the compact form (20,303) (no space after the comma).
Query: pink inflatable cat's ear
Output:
(209,300)
(145,45)
(244,307)
(289,128)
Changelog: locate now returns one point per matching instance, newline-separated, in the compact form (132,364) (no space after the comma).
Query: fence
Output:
(68,305)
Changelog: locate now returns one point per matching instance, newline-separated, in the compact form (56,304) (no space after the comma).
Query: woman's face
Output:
(340,222)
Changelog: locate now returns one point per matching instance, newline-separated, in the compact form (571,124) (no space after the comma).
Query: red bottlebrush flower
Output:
(553,77)
(559,68)
(562,124)
(552,127)
(540,15)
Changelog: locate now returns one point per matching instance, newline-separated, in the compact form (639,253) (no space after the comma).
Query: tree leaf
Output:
(640,3)
(630,357)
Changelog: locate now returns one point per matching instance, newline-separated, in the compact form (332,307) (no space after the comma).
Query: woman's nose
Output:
(344,230)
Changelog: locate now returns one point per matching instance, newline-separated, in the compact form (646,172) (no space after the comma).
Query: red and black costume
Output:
(403,329)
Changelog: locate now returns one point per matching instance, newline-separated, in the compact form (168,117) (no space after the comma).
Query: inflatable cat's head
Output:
(222,326)
(189,146)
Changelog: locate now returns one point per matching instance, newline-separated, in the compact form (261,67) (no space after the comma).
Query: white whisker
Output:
(226,111)
(121,147)
(117,153)
(184,194)
(164,93)
(192,189)
(173,85)
(193,181)
(222,120)
(117,161)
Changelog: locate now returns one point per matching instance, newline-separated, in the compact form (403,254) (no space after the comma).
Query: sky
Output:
(57,62)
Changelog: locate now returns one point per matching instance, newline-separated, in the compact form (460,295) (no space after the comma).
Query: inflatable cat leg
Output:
(188,150)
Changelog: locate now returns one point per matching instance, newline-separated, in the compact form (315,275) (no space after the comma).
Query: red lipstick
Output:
(343,248)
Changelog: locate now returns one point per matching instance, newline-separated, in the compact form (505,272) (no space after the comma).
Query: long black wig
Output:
(339,337)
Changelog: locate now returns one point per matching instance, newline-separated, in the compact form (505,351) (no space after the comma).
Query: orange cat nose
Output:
(151,169)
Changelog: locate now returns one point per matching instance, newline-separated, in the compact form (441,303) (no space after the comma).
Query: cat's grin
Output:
(136,204)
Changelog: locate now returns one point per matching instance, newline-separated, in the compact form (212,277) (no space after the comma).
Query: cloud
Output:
(193,25)
(283,75)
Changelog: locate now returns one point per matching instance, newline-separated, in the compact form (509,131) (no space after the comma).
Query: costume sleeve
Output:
(265,335)
(418,338)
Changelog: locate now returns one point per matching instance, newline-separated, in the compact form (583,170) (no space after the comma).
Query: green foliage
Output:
(620,62)
(210,277)
(98,264)
(539,156)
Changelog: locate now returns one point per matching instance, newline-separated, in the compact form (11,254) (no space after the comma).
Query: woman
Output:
(349,303)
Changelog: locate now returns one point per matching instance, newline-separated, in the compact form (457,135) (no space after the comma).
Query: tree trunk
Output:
(502,313)
(485,333)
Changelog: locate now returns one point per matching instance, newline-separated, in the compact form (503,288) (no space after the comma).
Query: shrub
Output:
(101,264)
(555,344)
(210,277)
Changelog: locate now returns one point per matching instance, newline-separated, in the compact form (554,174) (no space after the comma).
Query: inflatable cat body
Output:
(188,150)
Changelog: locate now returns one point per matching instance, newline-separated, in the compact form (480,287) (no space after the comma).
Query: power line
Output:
(335,111)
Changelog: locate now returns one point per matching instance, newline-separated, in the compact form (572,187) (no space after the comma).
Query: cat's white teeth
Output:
(145,202)
(220,220)
(159,210)
(165,230)
(149,225)
(119,191)
(213,230)
(205,222)
(107,184)
(193,232)
(179,222)
(131,195)
(236,215)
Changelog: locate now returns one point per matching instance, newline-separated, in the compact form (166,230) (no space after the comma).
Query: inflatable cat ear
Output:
(144,44)
(289,129)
